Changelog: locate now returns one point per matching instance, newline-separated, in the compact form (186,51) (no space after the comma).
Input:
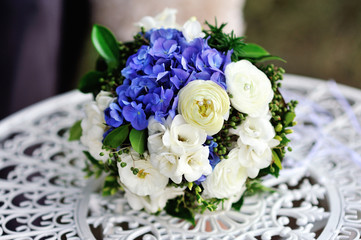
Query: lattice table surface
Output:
(43,193)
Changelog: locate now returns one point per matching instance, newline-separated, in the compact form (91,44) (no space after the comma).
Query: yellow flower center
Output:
(205,107)
(142,173)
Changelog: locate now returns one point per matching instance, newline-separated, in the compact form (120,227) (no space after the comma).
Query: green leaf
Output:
(75,131)
(269,58)
(93,160)
(289,117)
(176,208)
(138,140)
(116,137)
(237,205)
(90,82)
(276,159)
(251,50)
(106,44)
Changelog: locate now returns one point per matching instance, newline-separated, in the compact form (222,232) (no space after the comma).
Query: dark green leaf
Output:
(75,131)
(92,159)
(116,137)
(269,58)
(276,159)
(90,82)
(251,50)
(138,140)
(106,44)
(177,209)
(289,117)
(237,205)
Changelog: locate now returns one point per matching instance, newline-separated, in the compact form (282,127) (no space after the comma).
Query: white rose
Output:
(165,19)
(147,181)
(153,202)
(250,87)
(227,179)
(192,29)
(204,104)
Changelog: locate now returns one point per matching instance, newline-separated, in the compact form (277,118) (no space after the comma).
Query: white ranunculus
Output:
(204,104)
(182,138)
(192,29)
(147,181)
(153,202)
(250,88)
(256,139)
(227,179)
(165,19)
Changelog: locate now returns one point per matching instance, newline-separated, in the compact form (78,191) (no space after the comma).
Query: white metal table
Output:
(43,193)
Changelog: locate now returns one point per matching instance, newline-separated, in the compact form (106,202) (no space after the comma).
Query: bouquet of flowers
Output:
(183,119)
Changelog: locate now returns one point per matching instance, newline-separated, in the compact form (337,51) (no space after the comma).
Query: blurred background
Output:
(46,47)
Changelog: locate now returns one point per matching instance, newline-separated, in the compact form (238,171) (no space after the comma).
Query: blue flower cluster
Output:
(155,74)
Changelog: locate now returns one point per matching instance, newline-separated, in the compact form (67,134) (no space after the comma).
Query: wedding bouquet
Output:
(183,119)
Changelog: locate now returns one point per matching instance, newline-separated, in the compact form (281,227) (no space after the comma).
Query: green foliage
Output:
(177,208)
(90,83)
(138,140)
(276,159)
(241,50)
(75,131)
(97,168)
(224,42)
(289,117)
(256,53)
(106,45)
(237,205)
(116,137)
(255,186)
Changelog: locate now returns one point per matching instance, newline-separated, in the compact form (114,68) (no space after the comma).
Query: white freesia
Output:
(192,29)
(227,179)
(256,139)
(153,202)
(147,181)
(182,138)
(176,149)
(165,19)
(93,125)
(103,100)
(250,88)
(195,164)
(204,104)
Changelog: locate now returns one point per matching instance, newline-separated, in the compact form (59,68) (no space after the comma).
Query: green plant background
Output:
(317,38)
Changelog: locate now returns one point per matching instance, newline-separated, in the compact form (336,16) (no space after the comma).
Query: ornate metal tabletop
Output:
(44,195)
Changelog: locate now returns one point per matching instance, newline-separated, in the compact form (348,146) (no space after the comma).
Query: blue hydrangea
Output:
(155,74)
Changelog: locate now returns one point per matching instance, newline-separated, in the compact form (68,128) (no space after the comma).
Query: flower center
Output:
(247,87)
(204,107)
(142,173)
